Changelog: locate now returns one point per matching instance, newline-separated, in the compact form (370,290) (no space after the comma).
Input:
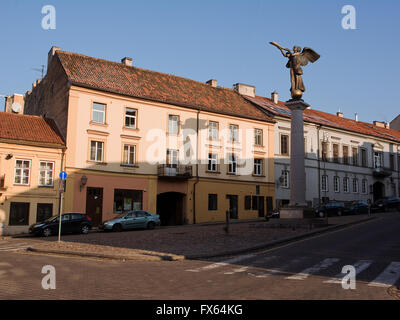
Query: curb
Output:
(137,257)
(279,242)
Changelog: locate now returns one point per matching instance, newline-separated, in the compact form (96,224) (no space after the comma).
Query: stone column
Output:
(297,169)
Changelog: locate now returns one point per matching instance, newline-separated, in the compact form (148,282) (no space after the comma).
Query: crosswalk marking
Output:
(17,246)
(360,266)
(314,269)
(388,277)
(223,263)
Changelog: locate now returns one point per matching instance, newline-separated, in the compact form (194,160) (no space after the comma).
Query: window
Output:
(172,158)
(336,184)
(96,151)
(247,203)
(173,124)
(258,135)
(355,156)
(98,113)
(355,185)
(324,151)
(213,130)
(232,166)
(335,153)
(258,164)
(44,211)
(324,183)
(130,118)
(364,185)
(46,173)
(345,154)
(364,160)
(284,145)
(129,154)
(212,202)
(234,133)
(19,214)
(212,162)
(285,179)
(378,159)
(22,172)
(391,159)
(346,184)
(126,200)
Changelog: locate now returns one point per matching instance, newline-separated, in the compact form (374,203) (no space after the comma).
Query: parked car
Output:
(357,207)
(132,220)
(70,223)
(378,206)
(331,208)
(386,204)
(275,214)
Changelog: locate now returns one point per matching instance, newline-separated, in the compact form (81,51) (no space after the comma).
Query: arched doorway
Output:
(170,207)
(378,190)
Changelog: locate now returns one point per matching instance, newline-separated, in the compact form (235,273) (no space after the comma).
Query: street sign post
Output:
(63,176)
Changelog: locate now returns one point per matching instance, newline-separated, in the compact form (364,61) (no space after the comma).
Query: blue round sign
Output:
(63,175)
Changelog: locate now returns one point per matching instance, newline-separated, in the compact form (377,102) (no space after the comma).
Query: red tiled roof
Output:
(29,128)
(118,78)
(327,119)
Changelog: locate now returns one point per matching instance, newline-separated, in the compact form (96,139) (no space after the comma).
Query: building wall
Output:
(32,193)
(395,123)
(314,135)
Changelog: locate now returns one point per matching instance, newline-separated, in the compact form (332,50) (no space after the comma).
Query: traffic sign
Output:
(63,175)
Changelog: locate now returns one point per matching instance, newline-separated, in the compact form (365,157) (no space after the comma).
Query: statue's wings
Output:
(307,55)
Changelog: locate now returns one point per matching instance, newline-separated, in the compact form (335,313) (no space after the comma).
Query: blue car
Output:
(132,220)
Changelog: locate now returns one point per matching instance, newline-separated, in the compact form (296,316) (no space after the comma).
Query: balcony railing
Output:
(381,172)
(175,171)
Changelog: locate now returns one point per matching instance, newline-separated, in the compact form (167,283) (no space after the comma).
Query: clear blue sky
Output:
(225,40)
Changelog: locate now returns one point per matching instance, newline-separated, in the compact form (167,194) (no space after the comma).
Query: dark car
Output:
(378,206)
(331,208)
(357,207)
(70,223)
(386,204)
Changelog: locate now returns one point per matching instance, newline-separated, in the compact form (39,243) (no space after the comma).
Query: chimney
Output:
(339,114)
(212,83)
(356,116)
(127,61)
(15,103)
(245,89)
(381,124)
(51,54)
(274,97)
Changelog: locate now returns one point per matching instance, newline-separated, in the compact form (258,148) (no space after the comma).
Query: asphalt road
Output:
(307,269)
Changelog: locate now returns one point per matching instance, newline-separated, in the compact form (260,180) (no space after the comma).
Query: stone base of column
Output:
(296,212)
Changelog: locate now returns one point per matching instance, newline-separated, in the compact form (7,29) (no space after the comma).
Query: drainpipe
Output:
(319,167)
(197,167)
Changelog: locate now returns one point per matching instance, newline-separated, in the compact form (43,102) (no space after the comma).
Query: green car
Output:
(132,220)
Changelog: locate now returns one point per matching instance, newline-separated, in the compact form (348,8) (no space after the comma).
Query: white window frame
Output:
(233,133)
(130,117)
(258,137)
(127,154)
(346,185)
(22,172)
(364,186)
(213,133)
(212,162)
(336,184)
(173,124)
(286,179)
(46,177)
(232,163)
(172,158)
(258,167)
(324,183)
(355,186)
(96,151)
(102,112)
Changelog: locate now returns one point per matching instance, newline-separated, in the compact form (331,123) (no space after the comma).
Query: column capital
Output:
(297,104)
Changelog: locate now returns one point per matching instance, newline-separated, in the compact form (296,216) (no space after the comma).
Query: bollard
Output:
(227,222)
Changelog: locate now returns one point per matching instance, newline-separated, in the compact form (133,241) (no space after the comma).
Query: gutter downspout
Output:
(197,167)
(319,167)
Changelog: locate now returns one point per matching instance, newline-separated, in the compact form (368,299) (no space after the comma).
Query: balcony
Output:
(174,171)
(381,172)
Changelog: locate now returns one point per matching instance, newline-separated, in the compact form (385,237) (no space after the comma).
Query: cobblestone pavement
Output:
(190,240)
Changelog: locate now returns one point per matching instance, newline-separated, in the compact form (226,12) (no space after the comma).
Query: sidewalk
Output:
(189,242)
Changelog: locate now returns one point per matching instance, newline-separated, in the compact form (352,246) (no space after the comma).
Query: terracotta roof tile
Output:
(327,119)
(141,83)
(29,128)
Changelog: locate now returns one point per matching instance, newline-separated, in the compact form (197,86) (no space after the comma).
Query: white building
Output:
(345,159)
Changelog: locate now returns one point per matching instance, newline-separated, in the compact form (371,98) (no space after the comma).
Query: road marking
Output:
(239,270)
(325,264)
(360,266)
(14,247)
(388,277)
(223,263)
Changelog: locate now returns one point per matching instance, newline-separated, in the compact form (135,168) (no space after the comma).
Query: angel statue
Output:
(297,59)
